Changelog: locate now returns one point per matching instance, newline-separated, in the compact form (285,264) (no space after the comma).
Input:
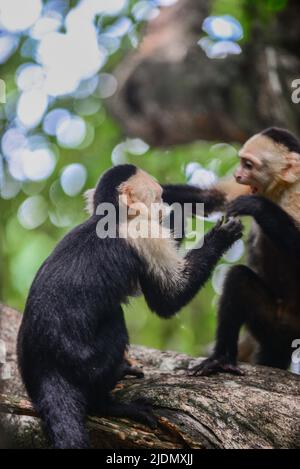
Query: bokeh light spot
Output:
(144,11)
(52,120)
(203,178)
(33,212)
(71,132)
(223,27)
(73,179)
(107,85)
(31,107)
(45,25)
(235,252)
(9,187)
(19,15)
(219,49)
(38,164)
(219,277)
(8,44)
(136,146)
(30,76)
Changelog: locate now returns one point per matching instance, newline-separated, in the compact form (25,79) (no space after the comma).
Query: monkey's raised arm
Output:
(167,289)
(277,224)
(213,199)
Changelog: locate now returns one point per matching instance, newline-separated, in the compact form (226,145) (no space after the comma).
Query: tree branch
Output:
(258,410)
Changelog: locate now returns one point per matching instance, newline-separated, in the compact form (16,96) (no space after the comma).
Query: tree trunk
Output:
(258,410)
(170,92)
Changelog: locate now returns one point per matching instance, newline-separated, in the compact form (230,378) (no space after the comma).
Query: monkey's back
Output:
(73,321)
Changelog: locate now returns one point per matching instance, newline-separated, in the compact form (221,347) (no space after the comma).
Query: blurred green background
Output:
(48,160)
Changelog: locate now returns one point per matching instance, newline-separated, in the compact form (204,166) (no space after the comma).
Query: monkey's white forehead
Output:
(263,147)
(143,179)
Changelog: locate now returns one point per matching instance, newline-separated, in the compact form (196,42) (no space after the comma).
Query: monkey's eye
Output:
(247,164)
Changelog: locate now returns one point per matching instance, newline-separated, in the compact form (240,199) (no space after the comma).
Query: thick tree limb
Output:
(258,410)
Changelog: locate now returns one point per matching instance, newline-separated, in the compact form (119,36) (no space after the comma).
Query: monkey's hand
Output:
(213,365)
(244,205)
(231,229)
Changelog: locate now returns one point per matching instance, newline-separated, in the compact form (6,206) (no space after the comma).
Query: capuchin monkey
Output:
(265,295)
(73,336)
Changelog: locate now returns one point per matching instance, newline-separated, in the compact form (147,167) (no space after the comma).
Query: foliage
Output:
(25,238)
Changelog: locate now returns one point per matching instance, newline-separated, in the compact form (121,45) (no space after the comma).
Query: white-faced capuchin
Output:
(265,295)
(73,336)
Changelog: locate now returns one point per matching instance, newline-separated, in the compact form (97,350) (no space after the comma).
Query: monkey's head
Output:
(269,161)
(127,183)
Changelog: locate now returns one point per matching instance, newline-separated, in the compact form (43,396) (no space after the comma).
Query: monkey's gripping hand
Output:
(230,230)
(213,365)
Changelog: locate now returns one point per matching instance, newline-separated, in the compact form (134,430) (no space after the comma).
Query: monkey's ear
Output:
(89,201)
(127,194)
(291,171)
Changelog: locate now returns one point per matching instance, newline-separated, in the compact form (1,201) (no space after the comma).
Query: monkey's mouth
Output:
(254,190)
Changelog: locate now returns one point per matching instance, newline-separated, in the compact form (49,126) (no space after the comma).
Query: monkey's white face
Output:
(261,162)
(145,189)
(142,189)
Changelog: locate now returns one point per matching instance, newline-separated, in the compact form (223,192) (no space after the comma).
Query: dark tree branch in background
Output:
(170,92)
(258,410)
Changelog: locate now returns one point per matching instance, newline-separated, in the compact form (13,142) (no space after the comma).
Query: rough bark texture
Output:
(170,92)
(258,410)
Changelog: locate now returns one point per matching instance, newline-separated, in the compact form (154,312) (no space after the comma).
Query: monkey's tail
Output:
(62,409)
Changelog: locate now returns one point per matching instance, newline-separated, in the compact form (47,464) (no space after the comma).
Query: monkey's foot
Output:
(129,370)
(212,365)
(139,410)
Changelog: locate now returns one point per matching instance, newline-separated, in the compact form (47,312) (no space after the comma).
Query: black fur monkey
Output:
(73,336)
(265,296)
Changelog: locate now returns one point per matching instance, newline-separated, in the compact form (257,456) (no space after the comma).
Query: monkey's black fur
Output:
(264,296)
(73,335)
(212,200)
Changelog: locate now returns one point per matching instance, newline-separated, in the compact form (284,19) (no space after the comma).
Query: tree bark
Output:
(170,92)
(258,410)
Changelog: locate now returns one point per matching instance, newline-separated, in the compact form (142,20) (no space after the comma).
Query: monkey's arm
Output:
(278,225)
(213,199)
(166,292)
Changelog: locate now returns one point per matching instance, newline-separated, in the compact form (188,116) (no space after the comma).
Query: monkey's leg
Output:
(62,409)
(245,300)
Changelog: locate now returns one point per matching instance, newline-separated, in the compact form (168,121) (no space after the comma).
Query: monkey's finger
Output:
(219,223)
(235,370)
(206,368)
(233,219)
(206,371)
